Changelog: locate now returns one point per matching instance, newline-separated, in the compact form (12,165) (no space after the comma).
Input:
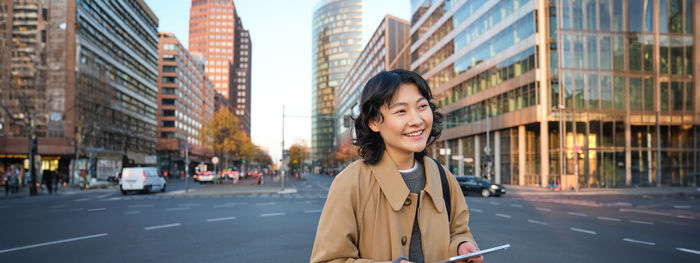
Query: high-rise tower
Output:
(336,41)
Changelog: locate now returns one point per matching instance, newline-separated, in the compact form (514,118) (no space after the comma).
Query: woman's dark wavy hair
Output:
(380,90)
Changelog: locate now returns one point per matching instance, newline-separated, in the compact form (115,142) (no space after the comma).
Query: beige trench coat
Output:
(369,215)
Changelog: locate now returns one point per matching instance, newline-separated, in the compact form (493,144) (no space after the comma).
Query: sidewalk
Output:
(62,190)
(243,187)
(671,191)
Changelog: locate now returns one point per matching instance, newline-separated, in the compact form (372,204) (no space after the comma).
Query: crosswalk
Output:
(262,196)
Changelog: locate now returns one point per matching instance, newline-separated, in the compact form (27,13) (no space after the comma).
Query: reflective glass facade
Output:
(336,43)
(599,92)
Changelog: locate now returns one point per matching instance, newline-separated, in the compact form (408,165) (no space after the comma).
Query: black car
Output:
(473,184)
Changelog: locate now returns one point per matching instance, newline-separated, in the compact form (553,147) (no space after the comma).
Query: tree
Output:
(224,137)
(346,152)
(261,157)
(297,155)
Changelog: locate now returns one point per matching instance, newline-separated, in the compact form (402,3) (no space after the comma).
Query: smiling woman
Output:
(372,211)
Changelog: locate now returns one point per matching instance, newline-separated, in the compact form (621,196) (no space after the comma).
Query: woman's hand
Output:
(466,248)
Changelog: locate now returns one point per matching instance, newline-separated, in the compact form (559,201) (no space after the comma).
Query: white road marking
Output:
(97,209)
(57,206)
(221,219)
(161,226)
(644,212)
(313,211)
(304,202)
(270,203)
(131,212)
(503,215)
(681,206)
(609,218)
(113,198)
(641,222)
(577,214)
(53,242)
(178,208)
(516,205)
(537,222)
(476,210)
(104,195)
(639,241)
(76,209)
(230,204)
(685,216)
(273,214)
(82,199)
(140,206)
(190,204)
(583,231)
(544,209)
(688,250)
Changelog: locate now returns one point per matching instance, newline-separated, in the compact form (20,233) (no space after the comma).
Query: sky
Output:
(280,32)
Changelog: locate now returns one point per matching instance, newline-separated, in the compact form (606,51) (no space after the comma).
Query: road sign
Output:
(215,160)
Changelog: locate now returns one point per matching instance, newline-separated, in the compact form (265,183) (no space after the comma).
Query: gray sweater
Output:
(415,180)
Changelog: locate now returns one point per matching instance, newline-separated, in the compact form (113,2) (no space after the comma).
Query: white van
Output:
(143,179)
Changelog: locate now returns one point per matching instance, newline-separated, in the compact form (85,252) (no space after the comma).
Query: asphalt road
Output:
(104,226)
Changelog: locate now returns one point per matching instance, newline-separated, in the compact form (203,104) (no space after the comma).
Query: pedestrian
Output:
(6,182)
(395,204)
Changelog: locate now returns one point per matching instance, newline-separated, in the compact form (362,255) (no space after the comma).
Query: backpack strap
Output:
(446,196)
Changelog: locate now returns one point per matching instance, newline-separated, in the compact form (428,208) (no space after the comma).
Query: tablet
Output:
(475,254)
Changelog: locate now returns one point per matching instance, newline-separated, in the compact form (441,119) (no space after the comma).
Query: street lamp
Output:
(560,109)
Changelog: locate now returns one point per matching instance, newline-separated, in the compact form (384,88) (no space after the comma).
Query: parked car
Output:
(205,177)
(142,179)
(473,184)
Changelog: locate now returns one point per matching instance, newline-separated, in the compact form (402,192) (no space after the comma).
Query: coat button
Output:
(403,241)
(407,202)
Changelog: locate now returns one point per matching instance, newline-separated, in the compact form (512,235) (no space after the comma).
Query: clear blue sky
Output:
(281,59)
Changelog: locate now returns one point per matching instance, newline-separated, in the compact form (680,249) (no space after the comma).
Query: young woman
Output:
(390,206)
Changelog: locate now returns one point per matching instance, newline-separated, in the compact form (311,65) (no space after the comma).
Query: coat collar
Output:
(395,189)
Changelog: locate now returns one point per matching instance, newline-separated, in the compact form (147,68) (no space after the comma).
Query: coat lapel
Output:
(390,182)
(433,185)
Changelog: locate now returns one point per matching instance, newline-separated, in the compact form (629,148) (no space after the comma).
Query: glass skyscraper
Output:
(336,41)
(586,93)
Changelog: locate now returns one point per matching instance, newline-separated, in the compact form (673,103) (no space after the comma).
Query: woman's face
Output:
(407,121)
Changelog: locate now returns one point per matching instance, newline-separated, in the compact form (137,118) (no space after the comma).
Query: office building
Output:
(336,43)
(216,31)
(185,104)
(595,93)
(96,86)
(387,49)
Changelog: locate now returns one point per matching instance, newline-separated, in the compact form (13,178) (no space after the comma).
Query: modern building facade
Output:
(185,104)
(216,31)
(239,82)
(98,94)
(387,49)
(336,43)
(595,93)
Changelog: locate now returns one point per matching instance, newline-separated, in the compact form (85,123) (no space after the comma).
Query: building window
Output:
(169,80)
(167,135)
(169,69)
(169,91)
(168,101)
(169,57)
(168,123)
(168,112)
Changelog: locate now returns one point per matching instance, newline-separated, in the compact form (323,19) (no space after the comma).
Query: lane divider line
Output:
(313,211)
(161,226)
(609,218)
(583,231)
(639,241)
(136,206)
(577,214)
(273,214)
(52,243)
(270,203)
(221,219)
(476,210)
(178,208)
(641,222)
(537,222)
(688,250)
(503,215)
(131,212)
(97,209)
(544,209)
(516,205)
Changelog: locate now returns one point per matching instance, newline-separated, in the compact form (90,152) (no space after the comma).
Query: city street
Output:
(102,225)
